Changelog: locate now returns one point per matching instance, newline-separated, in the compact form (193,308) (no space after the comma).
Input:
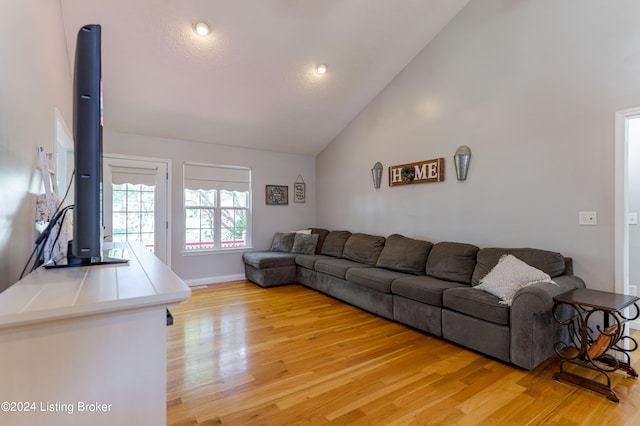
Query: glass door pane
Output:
(134,213)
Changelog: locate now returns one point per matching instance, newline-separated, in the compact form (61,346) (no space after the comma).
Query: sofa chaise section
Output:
(270,269)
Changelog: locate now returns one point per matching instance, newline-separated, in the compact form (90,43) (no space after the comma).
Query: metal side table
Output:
(597,323)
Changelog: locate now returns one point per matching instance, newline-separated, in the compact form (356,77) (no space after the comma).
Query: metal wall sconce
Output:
(376,172)
(461,160)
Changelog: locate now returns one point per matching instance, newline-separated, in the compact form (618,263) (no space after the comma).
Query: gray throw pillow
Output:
(283,241)
(305,243)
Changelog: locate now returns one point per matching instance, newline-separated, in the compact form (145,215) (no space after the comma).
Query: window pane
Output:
(193,218)
(147,222)
(242,199)
(226,198)
(191,198)
(119,199)
(192,238)
(234,199)
(233,228)
(133,223)
(147,201)
(207,218)
(133,201)
(119,223)
(208,197)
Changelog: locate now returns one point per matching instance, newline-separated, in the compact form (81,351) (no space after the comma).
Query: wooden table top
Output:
(596,299)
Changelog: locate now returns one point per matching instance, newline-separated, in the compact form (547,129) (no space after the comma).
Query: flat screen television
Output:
(87,136)
(86,246)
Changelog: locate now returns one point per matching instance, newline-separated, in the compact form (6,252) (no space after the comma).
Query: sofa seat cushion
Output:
(549,262)
(404,254)
(337,267)
(452,261)
(269,259)
(363,248)
(309,260)
(476,303)
(377,279)
(423,289)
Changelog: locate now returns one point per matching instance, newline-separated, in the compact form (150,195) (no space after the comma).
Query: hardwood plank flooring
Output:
(239,354)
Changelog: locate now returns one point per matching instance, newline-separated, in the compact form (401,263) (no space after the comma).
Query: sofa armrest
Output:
(534,331)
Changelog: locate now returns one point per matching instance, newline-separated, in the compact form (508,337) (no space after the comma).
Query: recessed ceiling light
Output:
(321,69)
(201,28)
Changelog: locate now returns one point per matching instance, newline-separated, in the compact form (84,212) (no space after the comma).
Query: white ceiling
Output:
(251,82)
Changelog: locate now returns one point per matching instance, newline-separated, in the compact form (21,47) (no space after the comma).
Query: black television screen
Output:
(86,246)
(87,135)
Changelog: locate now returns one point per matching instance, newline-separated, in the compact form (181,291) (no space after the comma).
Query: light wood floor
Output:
(239,354)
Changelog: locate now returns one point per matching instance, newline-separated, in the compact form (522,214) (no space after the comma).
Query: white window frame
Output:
(217,246)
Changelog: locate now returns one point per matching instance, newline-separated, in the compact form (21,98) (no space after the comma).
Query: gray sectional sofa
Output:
(430,287)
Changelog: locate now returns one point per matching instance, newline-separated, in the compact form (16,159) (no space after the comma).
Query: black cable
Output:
(55,241)
(47,233)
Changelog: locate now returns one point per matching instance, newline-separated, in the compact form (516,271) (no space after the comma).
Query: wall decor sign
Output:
(299,190)
(277,194)
(420,172)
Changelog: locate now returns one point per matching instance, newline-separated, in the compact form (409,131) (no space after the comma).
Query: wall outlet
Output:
(588,218)
(633,290)
(632,218)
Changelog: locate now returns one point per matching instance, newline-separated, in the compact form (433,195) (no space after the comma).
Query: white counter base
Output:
(100,357)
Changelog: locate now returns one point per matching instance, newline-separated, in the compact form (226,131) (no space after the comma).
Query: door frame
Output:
(167,163)
(621,203)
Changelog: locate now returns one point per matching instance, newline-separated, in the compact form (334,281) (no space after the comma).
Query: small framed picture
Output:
(277,194)
(298,192)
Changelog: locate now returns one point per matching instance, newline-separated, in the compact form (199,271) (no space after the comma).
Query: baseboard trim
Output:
(214,280)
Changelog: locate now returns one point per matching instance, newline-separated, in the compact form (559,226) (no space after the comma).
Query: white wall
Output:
(531,86)
(266,168)
(35,77)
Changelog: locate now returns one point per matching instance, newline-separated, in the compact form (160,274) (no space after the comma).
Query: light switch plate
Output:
(632,218)
(588,218)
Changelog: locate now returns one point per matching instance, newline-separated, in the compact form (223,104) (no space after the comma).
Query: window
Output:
(217,204)
(133,201)
(134,213)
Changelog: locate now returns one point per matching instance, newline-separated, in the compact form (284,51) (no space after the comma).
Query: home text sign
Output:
(420,172)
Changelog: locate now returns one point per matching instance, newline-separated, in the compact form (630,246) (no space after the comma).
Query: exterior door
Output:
(136,202)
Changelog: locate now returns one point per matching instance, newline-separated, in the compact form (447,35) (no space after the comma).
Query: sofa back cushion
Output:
(404,254)
(452,261)
(363,248)
(322,235)
(549,262)
(334,243)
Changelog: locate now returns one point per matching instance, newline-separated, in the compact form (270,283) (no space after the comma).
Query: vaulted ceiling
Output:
(251,82)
